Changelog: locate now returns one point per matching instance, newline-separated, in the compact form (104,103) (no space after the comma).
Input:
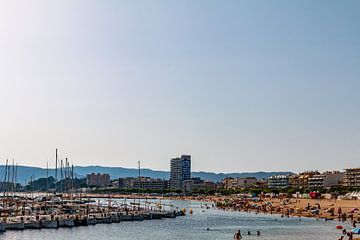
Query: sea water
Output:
(202,224)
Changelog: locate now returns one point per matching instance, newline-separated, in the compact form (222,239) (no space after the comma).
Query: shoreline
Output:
(250,206)
(333,209)
(328,210)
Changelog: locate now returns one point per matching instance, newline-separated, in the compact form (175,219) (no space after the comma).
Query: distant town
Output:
(182,182)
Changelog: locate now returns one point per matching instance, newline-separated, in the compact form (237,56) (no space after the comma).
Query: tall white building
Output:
(180,171)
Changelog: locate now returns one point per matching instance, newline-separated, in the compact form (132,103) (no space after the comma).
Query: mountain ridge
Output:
(25,173)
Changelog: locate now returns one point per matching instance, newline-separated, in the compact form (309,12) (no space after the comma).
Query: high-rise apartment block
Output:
(180,171)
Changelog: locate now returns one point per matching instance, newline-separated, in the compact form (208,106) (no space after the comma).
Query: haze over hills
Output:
(24,173)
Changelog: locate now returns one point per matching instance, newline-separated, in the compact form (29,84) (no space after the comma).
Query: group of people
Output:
(346,233)
(238,235)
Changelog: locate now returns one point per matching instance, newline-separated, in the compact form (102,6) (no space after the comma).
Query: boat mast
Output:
(139,184)
(16,168)
(8,180)
(56,162)
(12,177)
(66,175)
(72,177)
(61,175)
(47,176)
(5,177)
(72,181)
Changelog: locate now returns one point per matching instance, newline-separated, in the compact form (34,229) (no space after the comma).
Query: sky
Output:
(240,85)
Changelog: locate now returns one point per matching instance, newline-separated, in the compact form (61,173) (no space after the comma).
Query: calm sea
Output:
(221,224)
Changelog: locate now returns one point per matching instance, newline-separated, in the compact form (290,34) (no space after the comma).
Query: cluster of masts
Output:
(63,176)
(66,173)
(9,183)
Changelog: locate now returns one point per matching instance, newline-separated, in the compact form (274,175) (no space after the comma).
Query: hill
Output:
(24,173)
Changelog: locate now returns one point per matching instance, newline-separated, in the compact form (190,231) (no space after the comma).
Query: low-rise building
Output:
(294,181)
(304,178)
(143,183)
(235,183)
(317,181)
(147,183)
(261,184)
(197,184)
(326,180)
(279,182)
(127,182)
(352,178)
(205,186)
(98,179)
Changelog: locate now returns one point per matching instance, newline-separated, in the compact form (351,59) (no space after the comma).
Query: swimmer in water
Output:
(237,235)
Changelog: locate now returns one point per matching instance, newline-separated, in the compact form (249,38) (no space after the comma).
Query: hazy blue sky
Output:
(239,85)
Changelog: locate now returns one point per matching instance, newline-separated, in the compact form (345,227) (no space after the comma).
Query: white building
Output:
(352,178)
(326,180)
(279,182)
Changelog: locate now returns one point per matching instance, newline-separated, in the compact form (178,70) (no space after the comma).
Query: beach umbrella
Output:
(353,210)
(315,211)
(356,230)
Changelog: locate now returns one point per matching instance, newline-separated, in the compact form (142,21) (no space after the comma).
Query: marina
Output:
(58,211)
(203,224)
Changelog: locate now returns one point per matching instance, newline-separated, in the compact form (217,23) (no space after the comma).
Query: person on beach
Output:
(339,212)
(237,235)
(258,233)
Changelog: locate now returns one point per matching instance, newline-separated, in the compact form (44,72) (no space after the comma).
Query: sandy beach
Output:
(316,208)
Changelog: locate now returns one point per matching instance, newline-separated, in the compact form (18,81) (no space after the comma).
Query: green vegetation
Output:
(44,184)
